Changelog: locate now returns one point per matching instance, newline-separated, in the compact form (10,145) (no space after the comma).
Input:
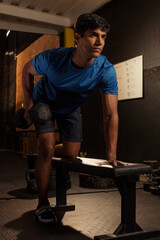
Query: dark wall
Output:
(135,30)
(92,121)
(10,47)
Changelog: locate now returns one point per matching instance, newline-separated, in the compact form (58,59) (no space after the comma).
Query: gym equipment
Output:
(125,178)
(39,113)
(153,184)
(154,163)
(31,181)
(30,177)
(19,121)
(147,186)
(91,181)
(155,190)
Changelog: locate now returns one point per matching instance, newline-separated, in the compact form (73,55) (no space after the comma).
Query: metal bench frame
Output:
(125,178)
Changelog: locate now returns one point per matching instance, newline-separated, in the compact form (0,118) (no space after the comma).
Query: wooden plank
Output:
(25,3)
(42,17)
(8,23)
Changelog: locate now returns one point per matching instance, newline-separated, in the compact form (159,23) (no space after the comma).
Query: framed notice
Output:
(130,78)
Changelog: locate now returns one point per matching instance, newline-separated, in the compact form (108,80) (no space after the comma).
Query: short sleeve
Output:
(108,83)
(41,62)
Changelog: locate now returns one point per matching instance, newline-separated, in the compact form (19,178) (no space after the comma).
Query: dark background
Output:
(13,44)
(135,30)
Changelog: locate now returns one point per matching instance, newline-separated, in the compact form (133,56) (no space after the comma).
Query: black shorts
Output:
(69,126)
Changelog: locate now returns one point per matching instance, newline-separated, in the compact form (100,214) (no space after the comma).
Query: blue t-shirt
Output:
(65,87)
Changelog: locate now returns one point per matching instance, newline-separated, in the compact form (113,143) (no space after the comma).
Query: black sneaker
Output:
(44,214)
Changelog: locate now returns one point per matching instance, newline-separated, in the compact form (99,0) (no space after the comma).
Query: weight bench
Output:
(125,179)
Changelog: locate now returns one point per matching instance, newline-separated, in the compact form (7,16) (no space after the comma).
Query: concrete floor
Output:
(97,211)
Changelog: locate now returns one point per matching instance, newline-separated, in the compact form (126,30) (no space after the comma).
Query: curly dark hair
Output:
(90,21)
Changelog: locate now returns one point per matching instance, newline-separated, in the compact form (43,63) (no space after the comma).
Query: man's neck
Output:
(80,60)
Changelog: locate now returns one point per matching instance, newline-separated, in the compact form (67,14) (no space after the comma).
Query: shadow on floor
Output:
(22,194)
(28,228)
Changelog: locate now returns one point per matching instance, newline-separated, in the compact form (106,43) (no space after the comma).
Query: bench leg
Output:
(127,188)
(61,181)
(61,194)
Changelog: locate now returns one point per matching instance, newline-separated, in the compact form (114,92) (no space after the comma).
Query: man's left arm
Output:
(110,119)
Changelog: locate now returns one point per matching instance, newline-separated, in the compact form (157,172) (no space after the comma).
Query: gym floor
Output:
(97,210)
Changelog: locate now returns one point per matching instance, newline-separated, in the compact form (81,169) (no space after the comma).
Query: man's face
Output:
(92,42)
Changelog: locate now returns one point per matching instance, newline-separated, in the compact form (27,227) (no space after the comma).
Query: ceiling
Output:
(44,16)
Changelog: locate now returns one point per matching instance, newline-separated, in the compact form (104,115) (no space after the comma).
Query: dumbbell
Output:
(39,113)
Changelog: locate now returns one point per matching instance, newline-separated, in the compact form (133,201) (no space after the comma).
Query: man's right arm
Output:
(28,84)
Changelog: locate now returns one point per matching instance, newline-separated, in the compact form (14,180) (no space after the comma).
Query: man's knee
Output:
(46,146)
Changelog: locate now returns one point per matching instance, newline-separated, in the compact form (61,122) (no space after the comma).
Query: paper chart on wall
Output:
(130,78)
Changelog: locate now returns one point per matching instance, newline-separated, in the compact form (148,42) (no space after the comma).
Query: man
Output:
(70,75)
